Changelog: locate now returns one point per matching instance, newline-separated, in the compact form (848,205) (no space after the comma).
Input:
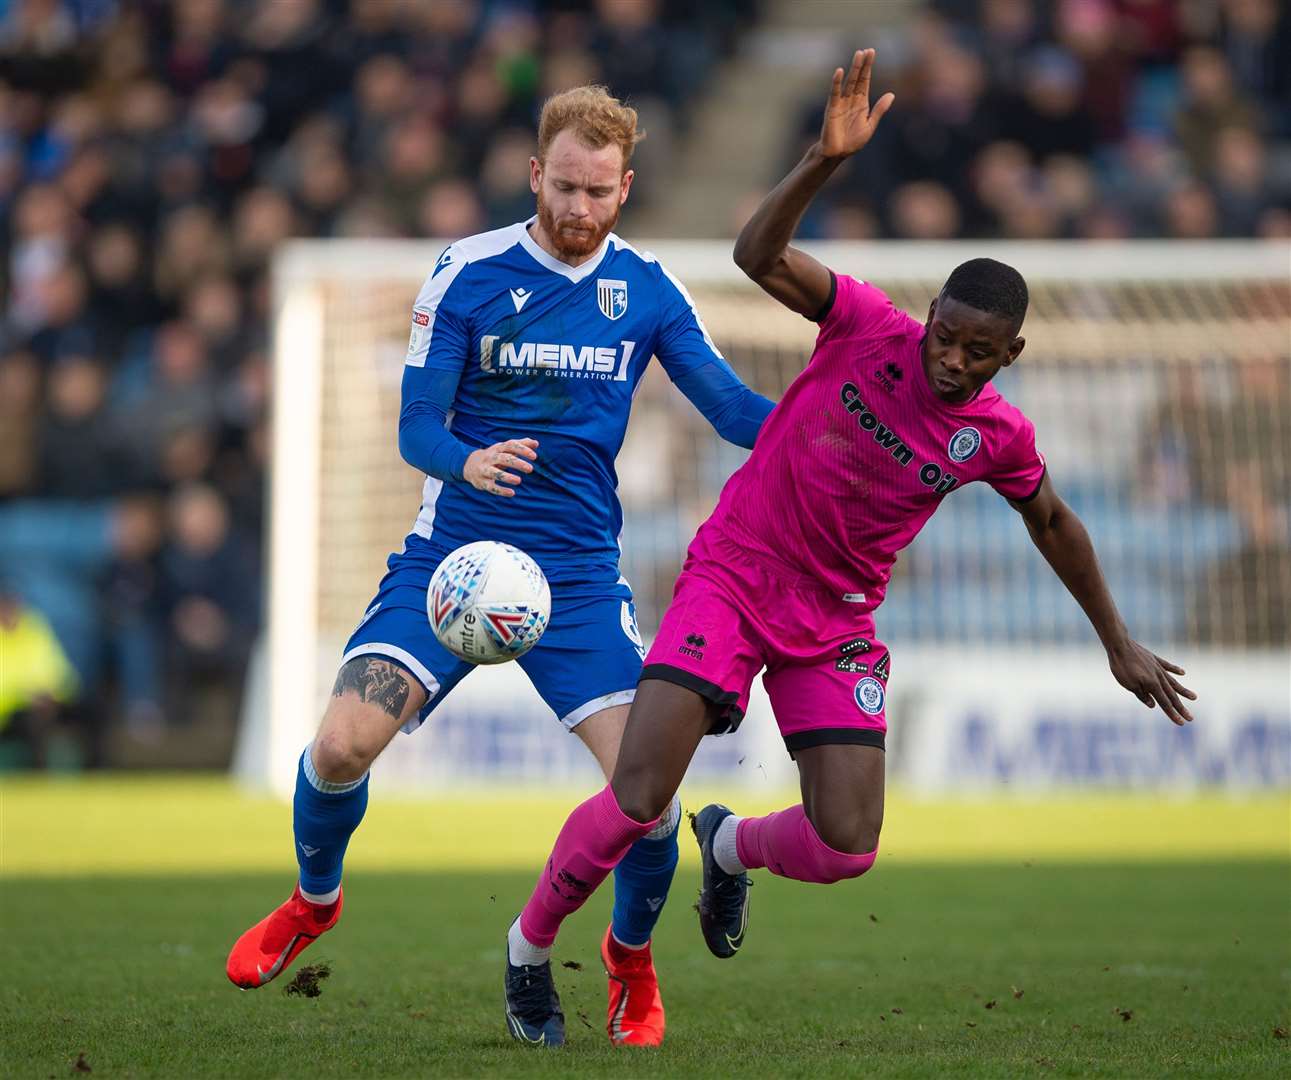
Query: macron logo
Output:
(310,852)
(519,296)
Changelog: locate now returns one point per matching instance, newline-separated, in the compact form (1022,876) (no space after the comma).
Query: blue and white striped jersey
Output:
(509,342)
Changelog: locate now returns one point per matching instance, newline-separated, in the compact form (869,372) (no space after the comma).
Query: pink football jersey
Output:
(860,452)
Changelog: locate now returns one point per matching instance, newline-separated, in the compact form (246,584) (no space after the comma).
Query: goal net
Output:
(1158,377)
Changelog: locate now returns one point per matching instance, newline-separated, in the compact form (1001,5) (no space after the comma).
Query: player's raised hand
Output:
(849,120)
(1151,679)
(496,468)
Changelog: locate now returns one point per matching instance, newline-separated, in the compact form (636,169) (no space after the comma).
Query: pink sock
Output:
(787,844)
(594,838)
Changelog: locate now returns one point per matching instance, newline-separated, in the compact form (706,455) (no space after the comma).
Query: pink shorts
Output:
(731,616)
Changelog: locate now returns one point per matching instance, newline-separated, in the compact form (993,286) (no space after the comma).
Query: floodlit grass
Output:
(890,975)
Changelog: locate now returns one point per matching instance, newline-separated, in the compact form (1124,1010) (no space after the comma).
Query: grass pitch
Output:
(1035,966)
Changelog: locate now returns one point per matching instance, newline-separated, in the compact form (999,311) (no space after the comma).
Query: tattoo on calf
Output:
(375,680)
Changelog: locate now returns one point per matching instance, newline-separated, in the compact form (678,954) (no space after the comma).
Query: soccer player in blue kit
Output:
(527,345)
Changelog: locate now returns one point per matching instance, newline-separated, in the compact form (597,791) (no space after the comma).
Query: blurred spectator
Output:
(37,684)
(1240,180)
(1163,118)
(210,592)
(1210,103)
(82,447)
(20,423)
(450,208)
(924,210)
(1190,213)
(1048,115)
(1204,448)
(1256,39)
(1254,477)
(121,298)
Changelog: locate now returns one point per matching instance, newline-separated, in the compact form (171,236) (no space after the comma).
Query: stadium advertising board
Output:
(1043,719)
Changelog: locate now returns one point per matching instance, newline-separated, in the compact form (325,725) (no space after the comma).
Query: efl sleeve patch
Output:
(419,341)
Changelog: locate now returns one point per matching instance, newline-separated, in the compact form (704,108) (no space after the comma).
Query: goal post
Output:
(1157,374)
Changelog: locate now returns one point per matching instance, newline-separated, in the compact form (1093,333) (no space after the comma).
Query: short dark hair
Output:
(991,286)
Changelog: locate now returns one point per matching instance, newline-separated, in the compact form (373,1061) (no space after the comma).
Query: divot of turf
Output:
(308,979)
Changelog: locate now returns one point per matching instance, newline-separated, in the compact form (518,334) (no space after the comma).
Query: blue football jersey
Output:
(553,352)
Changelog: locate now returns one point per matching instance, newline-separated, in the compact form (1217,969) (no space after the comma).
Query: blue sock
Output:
(642,879)
(324,814)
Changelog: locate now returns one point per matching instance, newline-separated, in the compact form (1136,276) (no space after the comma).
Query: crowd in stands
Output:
(153,153)
(1099,119)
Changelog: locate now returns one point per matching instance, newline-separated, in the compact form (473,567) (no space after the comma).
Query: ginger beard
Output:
(573,237)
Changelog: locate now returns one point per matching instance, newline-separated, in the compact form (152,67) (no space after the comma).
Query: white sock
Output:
(322,898)
(725,852)
(521,951)
(625,945)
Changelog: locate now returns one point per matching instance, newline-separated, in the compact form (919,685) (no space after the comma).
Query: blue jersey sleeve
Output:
(437,355)
(699,370)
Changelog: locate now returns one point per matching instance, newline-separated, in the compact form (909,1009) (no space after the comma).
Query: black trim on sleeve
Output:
(804,740)
(1038,486)
(828,305)
(728,714)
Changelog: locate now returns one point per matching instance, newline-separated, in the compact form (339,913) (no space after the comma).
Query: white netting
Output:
(1163,407)
(1158,377)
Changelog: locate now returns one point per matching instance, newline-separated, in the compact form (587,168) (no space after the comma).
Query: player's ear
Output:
(1015,350)
(932,310)
(535,175)
(624,185)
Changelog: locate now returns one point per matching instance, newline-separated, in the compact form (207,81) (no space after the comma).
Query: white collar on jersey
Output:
(550,262)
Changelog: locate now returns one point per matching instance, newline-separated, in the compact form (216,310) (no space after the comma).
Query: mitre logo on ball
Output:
(488,602)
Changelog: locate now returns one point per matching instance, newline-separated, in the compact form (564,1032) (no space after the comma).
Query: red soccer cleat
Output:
(636,1009)
(268,948)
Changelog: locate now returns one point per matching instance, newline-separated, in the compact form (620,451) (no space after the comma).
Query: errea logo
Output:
(888,376)
(694,646)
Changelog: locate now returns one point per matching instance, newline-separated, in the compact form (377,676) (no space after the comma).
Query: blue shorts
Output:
(588,659)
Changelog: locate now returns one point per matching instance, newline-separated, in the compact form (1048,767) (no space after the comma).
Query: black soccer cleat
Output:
(724,898)
(533,1006)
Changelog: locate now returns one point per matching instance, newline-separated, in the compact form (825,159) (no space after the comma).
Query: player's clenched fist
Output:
(495,467)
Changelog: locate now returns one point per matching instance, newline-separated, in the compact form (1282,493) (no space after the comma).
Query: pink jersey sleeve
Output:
(859,309)
(1020,468)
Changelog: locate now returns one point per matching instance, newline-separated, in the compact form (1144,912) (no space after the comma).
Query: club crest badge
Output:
(612,297)
(869,696)
(964,444)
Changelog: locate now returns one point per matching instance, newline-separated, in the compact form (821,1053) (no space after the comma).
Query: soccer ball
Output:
(488,602)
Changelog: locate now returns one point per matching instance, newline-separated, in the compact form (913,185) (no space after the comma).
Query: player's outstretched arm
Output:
(762,250)
(1063,541)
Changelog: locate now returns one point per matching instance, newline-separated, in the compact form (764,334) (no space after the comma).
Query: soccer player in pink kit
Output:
(889,417)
